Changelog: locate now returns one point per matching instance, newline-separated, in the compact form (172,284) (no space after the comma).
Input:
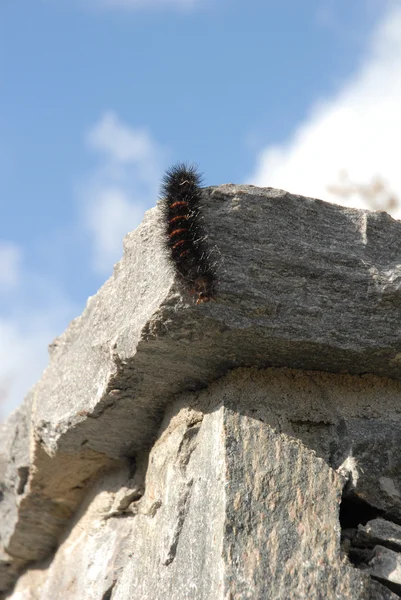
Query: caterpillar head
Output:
(204,289)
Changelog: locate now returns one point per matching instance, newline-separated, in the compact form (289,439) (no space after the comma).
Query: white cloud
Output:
(359,130)
(120,142)
(25,333)
(110,216)
(123,186)
(33,311)
(10,266)
(23,356)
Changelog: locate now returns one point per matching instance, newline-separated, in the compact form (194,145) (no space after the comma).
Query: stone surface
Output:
(89,556)
(230,502)
(380,532)
(39,494)
(386,566)
(231,508)
(14,470)
(302,284)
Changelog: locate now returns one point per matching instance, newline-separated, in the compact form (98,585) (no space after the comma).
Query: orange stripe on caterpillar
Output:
(185,237)
(179,203)
(178,218)
(179,244)
(176,232)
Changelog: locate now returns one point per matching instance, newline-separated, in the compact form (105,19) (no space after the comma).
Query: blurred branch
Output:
(377,194)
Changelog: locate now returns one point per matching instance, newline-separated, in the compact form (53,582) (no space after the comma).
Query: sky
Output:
(99,97)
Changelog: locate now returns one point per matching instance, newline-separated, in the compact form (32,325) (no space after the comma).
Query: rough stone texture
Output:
(232,508)
(386,566)
(39,494)
(14,470)
(380,532)
(302,284)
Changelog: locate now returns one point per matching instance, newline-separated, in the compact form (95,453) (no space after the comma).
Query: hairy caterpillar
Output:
(185,238)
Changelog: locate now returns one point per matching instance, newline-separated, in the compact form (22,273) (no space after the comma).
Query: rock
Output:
(231,509)
(380,532)
(14,471)
(302,284)
(386,566)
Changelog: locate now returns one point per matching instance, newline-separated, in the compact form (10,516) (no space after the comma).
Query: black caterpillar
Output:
(185,239)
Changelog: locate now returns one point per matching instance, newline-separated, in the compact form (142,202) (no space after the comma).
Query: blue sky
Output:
(99,97)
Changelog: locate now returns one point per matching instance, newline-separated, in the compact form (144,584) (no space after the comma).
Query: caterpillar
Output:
(184,235)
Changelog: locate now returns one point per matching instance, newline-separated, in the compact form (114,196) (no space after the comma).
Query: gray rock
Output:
(380,532)
(90,555)
(14,471)
(302,284)
(375,445)
(386,566)
(231,509)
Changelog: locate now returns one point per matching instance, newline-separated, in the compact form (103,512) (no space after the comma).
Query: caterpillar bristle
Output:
(185,238)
